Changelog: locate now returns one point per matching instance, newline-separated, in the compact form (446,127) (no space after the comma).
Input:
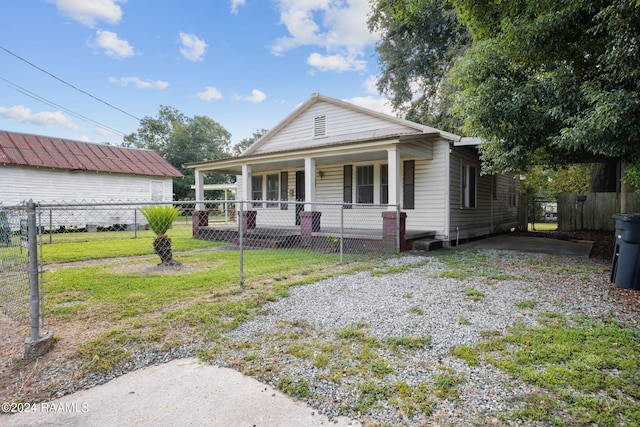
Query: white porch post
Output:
(393,158)
(199,184)
(309,182)
(246,183)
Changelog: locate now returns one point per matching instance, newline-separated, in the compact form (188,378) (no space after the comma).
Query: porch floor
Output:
(282,231)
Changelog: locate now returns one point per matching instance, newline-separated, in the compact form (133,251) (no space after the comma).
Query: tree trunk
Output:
(162,247)
(605,177)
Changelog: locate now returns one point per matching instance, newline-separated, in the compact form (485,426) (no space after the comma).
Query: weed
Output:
(321,361)
(463,320)
(525,304)
(416,310)
(446,385)
(294,388)
(452,274)
(473,294)
(466,353)
(381,368)
(351,332)
(370,393)
(407,342)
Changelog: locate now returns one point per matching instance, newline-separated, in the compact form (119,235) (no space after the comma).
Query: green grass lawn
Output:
(132,305)
(69,247)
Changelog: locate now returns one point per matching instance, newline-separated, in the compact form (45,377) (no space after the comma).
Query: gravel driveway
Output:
(332,343)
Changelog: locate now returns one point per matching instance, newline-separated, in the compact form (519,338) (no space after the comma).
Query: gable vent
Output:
(319,126)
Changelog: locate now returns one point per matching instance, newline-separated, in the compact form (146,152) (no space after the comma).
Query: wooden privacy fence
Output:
(592,211)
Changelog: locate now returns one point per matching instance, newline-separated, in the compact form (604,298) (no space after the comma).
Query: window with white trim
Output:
(272,189)
(364,184)
(256,189)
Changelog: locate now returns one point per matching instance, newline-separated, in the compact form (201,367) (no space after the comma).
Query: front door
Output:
(299,194)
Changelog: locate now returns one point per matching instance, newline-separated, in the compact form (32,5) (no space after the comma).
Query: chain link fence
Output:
(14,263)
(81,231)
(242,241)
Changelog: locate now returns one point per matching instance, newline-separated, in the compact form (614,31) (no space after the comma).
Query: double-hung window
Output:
(384,184)
(364,184)
(256,190)
(272,189)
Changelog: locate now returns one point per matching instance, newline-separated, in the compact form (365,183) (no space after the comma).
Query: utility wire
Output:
(53,104)
(67,83)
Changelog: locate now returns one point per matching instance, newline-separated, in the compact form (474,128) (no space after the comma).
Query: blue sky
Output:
(244,63)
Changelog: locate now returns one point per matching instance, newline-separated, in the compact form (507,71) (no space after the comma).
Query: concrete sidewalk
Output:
(183,392)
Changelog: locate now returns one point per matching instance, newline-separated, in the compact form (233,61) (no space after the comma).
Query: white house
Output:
(48,170)
(332,151)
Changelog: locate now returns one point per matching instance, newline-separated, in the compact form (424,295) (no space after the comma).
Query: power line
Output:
(53,104)
(68,84)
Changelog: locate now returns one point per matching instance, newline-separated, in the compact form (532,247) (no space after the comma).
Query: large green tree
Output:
(551,81)
(419,40)
(248,142)
(181,139)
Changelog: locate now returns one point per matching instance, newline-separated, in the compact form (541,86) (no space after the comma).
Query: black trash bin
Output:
(625,266)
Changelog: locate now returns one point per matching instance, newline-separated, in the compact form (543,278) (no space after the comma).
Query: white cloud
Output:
(89,12)
(209,93)
(193,48)
(371,85)
(139,83)
(256,97)
(20,113)
(235,4)
(337,26)
(373,103)
(84,138)
(112,45)
(336,62)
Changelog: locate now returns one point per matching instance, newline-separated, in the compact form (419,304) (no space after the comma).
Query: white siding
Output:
(430,193)
(18,184)
(491,215)
(339,121)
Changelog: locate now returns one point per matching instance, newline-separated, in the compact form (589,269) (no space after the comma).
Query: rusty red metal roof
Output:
(46,152)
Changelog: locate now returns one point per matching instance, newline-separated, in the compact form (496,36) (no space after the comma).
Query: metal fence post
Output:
(398,228)
(341,231)
(241,220)
(33,270)
(36,345)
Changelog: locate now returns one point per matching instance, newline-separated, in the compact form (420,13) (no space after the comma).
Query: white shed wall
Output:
(18,184)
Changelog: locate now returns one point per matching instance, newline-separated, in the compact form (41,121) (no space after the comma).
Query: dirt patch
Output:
(149,267)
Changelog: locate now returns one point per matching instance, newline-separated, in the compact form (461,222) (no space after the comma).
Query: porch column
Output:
(199,184)
(393,158)
(245,191)
(309,183)
(248,217)
(200,217)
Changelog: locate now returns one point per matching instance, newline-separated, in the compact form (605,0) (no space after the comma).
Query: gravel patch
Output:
(419,302)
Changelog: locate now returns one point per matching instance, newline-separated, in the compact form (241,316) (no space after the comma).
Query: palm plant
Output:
(160,219)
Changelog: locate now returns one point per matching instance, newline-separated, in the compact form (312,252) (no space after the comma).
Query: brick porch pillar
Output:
(199,219)
(309,223)
(389,233)
(248,220)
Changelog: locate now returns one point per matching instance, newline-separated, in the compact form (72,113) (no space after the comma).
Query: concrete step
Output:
(426,245)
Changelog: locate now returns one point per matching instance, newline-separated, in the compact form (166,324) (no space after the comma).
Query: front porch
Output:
(310,234)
